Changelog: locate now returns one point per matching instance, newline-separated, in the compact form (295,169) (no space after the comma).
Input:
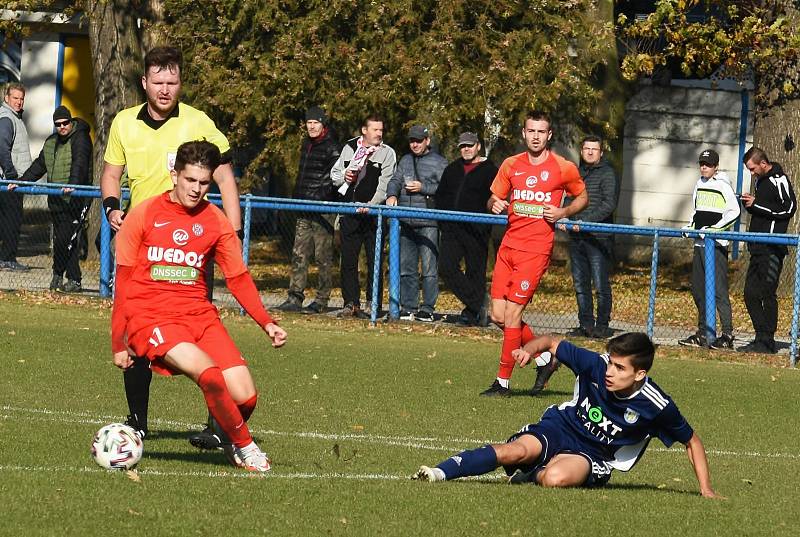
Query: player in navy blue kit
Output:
(615,412)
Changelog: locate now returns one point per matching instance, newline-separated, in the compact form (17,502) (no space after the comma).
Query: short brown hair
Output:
(636,345)
(756,154)
(375,118)
(539,115)
(12,86)
(162,58)
(199,153)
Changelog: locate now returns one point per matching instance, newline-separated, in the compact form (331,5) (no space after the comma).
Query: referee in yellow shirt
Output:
(144,139)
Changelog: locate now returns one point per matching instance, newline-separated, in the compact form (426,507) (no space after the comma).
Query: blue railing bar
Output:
(394,268)
(376,271)
(710,288)
(651,301)
(795,307)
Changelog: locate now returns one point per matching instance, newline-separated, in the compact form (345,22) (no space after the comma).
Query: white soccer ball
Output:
(117,447)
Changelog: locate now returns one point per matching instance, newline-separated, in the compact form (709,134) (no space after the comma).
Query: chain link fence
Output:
(654,297)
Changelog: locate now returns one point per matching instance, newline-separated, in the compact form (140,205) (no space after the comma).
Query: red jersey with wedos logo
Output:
(163,250)
(528,188)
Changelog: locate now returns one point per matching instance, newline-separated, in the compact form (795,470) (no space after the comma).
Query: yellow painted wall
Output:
(77,91)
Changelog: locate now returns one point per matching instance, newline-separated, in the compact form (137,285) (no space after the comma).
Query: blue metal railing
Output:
(393,214)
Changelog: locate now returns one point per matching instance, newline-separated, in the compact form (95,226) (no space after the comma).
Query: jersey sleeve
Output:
(211,133)
(130,234)
(577,359)
(115,152)
(502,181)
(670,426)
(573,183)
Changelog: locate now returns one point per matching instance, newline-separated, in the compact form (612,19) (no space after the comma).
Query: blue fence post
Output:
(105,255)
(795,306)
(248,218)
(651,303)
(710,287)
(376,270)
(394,268)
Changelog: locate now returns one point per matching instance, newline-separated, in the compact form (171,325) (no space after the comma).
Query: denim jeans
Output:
(590,260)
(419,244)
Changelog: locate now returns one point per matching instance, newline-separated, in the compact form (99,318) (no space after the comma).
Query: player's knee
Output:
(497,318)
(511,454)
(556,478)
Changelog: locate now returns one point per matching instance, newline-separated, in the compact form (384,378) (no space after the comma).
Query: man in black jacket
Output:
(771,205)
(66,158)
(313,231)
(465,187)
(591,254)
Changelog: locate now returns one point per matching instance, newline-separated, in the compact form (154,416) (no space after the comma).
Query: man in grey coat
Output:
(15,158)
(413,185)
(591,253)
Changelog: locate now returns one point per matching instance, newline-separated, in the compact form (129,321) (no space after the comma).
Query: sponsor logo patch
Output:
(173,273)
(631,416)
(531,181)
(180,237)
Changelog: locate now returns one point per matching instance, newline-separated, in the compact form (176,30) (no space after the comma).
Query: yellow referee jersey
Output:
(148,147)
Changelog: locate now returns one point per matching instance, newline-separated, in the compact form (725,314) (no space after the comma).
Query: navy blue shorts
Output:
(556,440)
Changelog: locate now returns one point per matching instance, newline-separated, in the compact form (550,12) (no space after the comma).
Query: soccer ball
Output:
(117,447)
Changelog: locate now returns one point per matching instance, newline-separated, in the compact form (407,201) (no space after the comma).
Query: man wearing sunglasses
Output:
(66,158)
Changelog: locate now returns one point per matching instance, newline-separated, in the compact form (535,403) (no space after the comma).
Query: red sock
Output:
(527,334)
(247,408)
(222,406)
(512,340)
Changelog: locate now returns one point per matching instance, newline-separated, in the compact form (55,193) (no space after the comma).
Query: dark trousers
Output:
(471,244)
(66,252)
(760,293)
(723,300)
(590,262)
(358,231)
(10,224)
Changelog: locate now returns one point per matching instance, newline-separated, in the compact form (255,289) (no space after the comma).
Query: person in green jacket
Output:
(66,158)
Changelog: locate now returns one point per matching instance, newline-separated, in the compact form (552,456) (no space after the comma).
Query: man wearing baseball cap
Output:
(715,208)
(465,187)
(414,184)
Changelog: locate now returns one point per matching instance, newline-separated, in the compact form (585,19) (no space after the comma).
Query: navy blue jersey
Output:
(617,429)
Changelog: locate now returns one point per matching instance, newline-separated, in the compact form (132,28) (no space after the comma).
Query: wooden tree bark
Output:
(115,42)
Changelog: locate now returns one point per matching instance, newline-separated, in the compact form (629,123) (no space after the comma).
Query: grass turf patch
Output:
(347,412)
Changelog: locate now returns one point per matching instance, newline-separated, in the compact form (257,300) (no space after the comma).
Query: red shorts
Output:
(154,339)
(517,274)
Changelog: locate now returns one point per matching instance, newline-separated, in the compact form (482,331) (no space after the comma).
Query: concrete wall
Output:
(666,128)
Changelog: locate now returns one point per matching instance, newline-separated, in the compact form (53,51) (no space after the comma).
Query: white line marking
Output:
(427,443)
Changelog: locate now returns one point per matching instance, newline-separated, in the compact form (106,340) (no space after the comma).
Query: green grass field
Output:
(347,413)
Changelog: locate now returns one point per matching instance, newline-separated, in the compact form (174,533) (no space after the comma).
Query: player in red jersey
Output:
(529,186)
(160,307)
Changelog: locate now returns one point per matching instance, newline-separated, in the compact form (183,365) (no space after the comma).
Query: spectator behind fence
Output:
(535,181)
(313,233)
(66,158)
(144,141)
(591,254)
(15,158)
(361,174)
(414,184)
(771,205)
(715,208)
(465,187)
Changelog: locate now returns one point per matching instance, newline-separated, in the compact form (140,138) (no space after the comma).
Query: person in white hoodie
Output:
(715,208)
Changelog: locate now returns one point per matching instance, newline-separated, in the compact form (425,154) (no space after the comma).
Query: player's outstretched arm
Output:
(535,347)
(697,456)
